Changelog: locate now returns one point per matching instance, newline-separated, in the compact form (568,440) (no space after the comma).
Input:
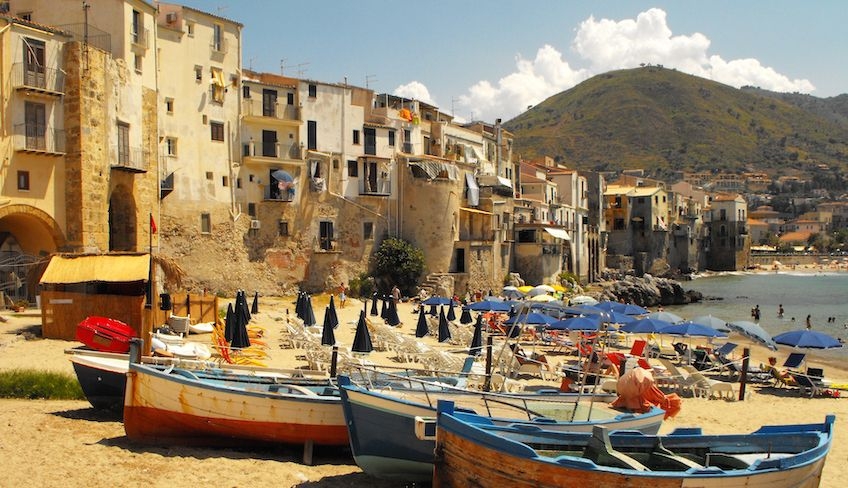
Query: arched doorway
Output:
(122,220)
(27,237)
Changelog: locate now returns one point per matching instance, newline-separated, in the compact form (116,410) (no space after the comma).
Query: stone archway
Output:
(27,236)
(122,220)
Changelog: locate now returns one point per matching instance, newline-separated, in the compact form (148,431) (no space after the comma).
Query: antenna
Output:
(369,79)
(250,63)
(220,9)
(453,101)
(301,69)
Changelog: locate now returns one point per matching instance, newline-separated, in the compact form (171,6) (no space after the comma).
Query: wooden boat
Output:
(179,406)
(103,376)
(381,420)
(472,451)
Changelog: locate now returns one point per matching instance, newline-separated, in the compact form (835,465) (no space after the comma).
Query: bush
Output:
(361,286)
(32,384)
(397,262)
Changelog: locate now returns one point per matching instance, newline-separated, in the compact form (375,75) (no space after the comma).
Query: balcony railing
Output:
(140,38)
(273,150)
(279,111)
(218,46)
(273,193)
(46,80)
(377,187)
(39,138)
(130,158)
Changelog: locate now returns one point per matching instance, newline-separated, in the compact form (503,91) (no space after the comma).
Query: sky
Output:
(483,60)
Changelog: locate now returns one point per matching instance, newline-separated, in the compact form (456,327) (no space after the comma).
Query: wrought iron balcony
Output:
(278,111)
(39,138)
(50,81)
(140,38)
(218,46)
(134,159)
(272,150)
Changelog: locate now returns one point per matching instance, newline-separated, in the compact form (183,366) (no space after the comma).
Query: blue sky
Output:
(492,59)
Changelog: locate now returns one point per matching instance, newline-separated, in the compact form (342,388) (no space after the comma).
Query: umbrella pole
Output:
(334,360)
(487,384)
(743,380)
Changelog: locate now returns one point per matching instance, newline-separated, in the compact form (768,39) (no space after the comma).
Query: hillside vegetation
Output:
(662,120)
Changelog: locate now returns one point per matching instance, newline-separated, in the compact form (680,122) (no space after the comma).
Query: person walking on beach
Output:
(757,313)
(395,294)
(342,295)
(809,323)
(780,311)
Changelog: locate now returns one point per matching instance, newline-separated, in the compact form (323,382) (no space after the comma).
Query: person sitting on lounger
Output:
(782,376)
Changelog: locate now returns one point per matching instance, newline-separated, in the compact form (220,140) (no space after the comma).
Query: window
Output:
(198,74)
(313,91)
(205,223)
(312,135)
(352,169)
(371,141)
(269,103)
(238,182)
(368,231)
(283,228)
(190,29)
(34,69)
(209,175)
(217,131)
(35,118)
(326,236)
(290,98)
(23,180)
(136,26)
(123,143)
(355,136)
(24,15)
(218,38)
(171,146)
(251,209)
(137,62)
(245,91)
(169,105)
(392,138)
(225,181)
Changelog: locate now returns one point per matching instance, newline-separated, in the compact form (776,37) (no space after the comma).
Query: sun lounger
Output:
(811,385)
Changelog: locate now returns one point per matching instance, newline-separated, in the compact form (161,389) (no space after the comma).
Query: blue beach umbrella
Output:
(645,326)
(438,301)
(691,329)
(585,323)
(491,306)
(806,338)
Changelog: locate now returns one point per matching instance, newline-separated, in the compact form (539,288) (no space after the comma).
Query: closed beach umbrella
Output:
(392,314)
(476,346)
(384,310)
(362,337)
(240,339)
(308,313)
(299,305)
(444,330)
(465,317)
(241,300)
(328,337)
(229,322)
(334,316)
(806,338)
(374,311)
(421,329)
(255,306)
(451,313)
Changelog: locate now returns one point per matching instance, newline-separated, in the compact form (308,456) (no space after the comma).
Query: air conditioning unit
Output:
(255,224)
(171,17)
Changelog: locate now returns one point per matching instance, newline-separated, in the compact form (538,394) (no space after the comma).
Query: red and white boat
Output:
(177,406)
(105,334)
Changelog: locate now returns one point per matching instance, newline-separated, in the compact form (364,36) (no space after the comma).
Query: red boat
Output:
(105,334)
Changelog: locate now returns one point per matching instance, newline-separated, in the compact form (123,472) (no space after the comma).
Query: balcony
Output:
(166,185)
(140,39)
(377,187)
(218,46)
(39,139)
(38,79)
(271,151)
(132,159)
(273,193)
(273,113)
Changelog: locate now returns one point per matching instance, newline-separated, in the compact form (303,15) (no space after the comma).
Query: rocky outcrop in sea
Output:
(648,291)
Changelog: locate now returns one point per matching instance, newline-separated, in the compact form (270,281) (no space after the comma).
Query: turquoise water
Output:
(820,295)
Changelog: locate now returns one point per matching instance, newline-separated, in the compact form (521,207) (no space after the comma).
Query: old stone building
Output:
(728,244)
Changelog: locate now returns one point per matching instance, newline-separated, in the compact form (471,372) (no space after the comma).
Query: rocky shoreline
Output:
(647,291)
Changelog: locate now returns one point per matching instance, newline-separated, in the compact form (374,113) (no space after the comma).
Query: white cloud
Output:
(415,90)
(606,45)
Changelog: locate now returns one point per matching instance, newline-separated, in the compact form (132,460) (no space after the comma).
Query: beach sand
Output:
(69,444)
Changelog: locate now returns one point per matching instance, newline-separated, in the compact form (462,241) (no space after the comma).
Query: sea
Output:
(731,296)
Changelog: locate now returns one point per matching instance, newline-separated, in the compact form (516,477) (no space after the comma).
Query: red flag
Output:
(152,225)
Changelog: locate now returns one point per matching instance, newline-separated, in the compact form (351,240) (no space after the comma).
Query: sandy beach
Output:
(67,443)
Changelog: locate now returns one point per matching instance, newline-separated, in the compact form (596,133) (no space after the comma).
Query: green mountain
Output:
(663,121)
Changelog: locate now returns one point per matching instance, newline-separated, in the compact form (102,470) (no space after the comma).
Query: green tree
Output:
(397,262)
